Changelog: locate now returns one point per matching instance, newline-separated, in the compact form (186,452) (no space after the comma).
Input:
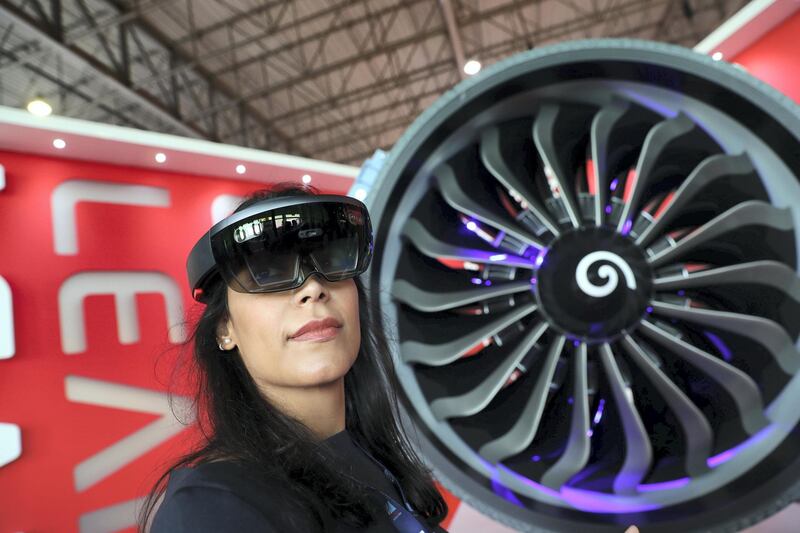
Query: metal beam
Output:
(110,67)
(218,86)
(257,10)
(257,38)
(554,32)
(499,48)
(551,32)
(455,38)
(77,58)
(72,37)
(313,37)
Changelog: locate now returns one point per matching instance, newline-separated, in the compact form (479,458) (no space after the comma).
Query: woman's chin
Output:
(324,371)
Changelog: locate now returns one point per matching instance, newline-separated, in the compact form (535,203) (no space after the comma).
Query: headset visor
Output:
(278,248)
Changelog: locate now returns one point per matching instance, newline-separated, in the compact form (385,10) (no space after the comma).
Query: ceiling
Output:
(332,80)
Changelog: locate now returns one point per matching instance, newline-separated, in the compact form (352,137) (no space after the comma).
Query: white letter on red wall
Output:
(67,194)
(123,286)
(116,396)
(7,346)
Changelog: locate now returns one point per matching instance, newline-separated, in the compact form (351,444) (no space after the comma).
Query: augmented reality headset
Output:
(275,244)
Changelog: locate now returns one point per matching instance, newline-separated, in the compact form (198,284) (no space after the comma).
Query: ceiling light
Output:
(716,56)
(306,178)
(59,144)
(39,107)
(161,157)
(473,66)
(241,169)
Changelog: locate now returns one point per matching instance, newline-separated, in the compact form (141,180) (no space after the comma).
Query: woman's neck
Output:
(321,408)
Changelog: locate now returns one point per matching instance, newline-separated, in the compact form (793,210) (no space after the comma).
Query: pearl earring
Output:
(224,341)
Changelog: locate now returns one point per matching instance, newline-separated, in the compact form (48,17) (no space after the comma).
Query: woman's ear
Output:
(224,333)
(222,328)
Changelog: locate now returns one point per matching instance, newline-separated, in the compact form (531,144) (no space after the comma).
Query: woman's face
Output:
(261,326)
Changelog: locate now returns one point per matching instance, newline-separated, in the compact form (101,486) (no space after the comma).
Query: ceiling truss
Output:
(330,80)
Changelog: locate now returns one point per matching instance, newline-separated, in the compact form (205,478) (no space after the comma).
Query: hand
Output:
(632,529)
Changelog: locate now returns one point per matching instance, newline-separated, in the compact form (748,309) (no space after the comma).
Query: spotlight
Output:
(241,169)
(716,56)
(306,178)
(161,157)
(39,107)
(473,66)
(59,144)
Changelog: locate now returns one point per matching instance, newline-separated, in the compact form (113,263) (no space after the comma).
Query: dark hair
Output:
(237,421)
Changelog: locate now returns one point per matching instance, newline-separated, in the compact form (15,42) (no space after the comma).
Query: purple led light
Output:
(476,281)
(653,104)
(627,227)
(608,209)
(720,345)
(614,184)
(649,309)
(681,292)
(597,502)
(481,256)
(584,474)
(599,414)
(664,485)
(536,458)
(499,237)
(584,500)
(540,257)
(505,492)
(541,488)
(720,458)
(570,400)
(727,455)
(576,343)
(487,282)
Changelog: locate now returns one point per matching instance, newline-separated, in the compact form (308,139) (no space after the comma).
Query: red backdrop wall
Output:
(775,57)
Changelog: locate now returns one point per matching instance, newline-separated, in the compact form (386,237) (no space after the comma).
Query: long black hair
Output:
(237,421)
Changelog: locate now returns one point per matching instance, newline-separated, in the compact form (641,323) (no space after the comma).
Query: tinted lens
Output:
(338,257)
(263,253)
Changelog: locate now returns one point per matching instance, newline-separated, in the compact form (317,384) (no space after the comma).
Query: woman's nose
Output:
(314,288)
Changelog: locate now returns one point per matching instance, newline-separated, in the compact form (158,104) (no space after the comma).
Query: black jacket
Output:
(224,497)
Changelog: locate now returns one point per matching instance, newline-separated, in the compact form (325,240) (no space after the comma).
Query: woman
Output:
(296,393)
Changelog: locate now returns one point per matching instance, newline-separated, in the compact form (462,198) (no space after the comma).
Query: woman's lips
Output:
(320,335)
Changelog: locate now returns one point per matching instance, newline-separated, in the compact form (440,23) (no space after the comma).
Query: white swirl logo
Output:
(605,271)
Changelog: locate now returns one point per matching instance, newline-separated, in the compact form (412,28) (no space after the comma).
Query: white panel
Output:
(10,443)
(7,343)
